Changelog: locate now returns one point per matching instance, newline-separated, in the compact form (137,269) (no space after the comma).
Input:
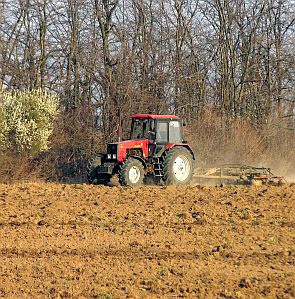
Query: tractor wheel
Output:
(178,167)
(131,173)
(93,176)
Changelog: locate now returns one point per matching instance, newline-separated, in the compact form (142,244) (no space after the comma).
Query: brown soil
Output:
(84,241)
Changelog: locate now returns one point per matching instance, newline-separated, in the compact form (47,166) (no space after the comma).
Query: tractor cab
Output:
(156,149)
(161,129)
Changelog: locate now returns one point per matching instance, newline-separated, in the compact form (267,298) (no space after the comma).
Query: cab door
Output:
(175,132)
(161,138)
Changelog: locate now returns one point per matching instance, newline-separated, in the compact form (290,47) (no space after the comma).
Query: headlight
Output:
(109,156)
(114,156)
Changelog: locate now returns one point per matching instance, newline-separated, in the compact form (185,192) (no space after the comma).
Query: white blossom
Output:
(26,119)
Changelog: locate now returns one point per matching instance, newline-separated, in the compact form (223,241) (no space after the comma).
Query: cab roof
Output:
(154,116)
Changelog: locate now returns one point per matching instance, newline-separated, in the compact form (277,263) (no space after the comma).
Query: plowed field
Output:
(79,241)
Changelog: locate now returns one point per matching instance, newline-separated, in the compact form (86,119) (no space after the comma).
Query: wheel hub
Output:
(181,168)
(134,174)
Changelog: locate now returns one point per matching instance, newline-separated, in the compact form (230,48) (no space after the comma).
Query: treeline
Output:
(108,59)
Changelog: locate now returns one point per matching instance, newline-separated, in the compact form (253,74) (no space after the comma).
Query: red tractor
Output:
(156,150)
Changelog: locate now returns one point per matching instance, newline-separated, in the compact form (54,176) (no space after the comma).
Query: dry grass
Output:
(72,144)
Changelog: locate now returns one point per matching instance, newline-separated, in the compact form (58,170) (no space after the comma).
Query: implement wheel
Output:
(178,167)
(131,173)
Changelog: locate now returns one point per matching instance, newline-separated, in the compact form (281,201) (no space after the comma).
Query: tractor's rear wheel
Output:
(131,173)
(93,177)
(178,167)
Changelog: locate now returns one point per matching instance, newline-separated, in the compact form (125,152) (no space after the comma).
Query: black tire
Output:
(178,167)
(131,173)
(93,177)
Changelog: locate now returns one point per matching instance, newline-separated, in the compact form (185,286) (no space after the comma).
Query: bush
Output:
(26,120)
(3,130)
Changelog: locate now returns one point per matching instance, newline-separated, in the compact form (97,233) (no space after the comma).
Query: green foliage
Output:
(26,120)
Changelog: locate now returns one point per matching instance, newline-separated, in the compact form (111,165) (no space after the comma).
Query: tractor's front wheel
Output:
(178,167)
(131,173)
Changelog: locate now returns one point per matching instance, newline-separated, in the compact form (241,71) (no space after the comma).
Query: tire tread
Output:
(123,172)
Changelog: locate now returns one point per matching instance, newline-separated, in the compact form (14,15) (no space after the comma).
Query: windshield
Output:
(141,129)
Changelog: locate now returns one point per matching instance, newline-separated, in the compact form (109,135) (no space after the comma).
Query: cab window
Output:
(175,132)
(162,132)
(141,129)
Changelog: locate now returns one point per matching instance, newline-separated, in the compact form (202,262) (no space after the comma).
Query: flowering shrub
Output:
(3,129)
(26,120)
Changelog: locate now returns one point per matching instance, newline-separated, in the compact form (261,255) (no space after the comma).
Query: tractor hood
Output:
(123,147)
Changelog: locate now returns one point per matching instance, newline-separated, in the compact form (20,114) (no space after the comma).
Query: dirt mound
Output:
(169,242)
